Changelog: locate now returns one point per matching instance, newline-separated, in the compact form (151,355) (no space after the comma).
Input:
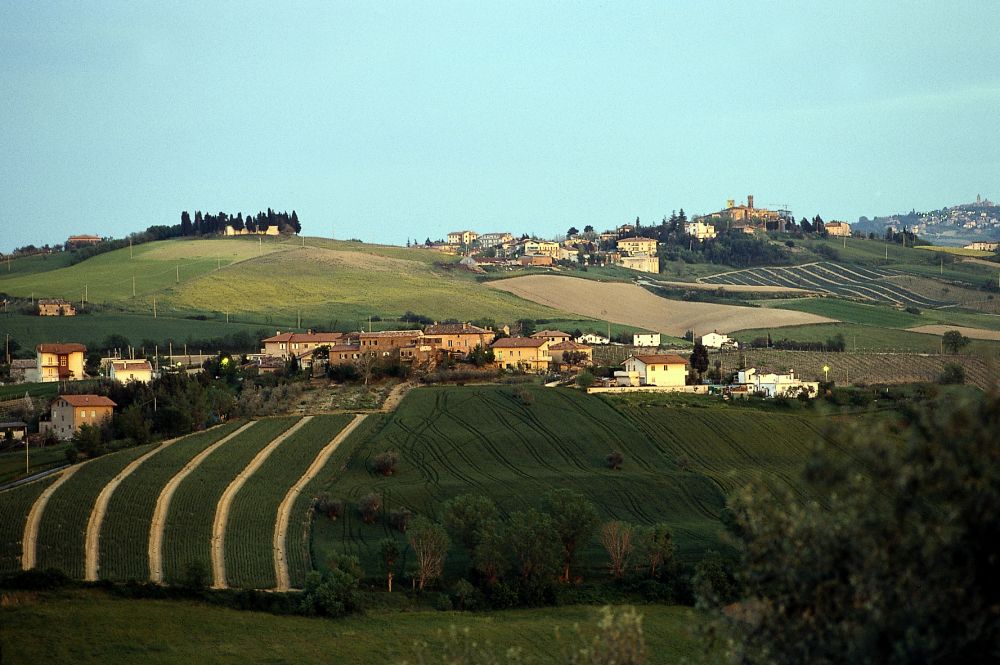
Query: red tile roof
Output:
(132,365)
(61,348)
(393,333)
(518,342)
(569,346)
(315,338)
(551,333)
(86,400)
(455,329)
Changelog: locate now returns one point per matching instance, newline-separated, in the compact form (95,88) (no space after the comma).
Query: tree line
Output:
(210,224)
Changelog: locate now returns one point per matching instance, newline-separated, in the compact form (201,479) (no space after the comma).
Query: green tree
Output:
(699,359)
(572,231)
(574,519)
(134,425)
(526,326)
(536,551)
(889,554)
(88,440)
(467,516)
(954,341)
(585,379)
(389,550)
(656,545)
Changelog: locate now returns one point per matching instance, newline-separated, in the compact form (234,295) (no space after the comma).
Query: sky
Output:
(394,120)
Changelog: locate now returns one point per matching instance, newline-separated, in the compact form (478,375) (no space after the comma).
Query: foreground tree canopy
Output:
(892,558)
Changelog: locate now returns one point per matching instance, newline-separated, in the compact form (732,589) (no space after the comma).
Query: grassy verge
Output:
(12,463)
(88,627)
(867,338)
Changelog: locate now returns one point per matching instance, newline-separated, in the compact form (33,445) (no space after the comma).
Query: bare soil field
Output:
(974,333)
(981,262)
(635,306)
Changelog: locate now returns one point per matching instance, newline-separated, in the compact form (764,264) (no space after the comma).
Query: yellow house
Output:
(55,307)
(554,336)
(458,338)
(838,229)
(286,345)
(131,370)
(640,263)
(653,370)
(71,411)
(58,362)
(637,246)
(542,248)
(462,237)
(525,353)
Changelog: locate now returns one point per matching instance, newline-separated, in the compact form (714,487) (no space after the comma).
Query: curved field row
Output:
(249,543)
(187,537)
(830,278)
(15,504)
(124,542)
(63,525)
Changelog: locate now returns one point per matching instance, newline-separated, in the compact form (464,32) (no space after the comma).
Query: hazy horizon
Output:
(405,121)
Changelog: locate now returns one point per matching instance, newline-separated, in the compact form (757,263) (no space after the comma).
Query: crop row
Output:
(63,527)
(15,504)
(831,278)
(249,532)
(124,543)
(188,530)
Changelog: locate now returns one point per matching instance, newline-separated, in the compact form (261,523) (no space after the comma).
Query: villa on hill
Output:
(524,353)
(58,362)
(69,412)
(55,307)
(653,370)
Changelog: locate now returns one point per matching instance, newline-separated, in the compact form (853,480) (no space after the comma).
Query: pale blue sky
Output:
(392,120)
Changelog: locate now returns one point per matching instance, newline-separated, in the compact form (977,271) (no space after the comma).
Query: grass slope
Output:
(63,528)
(887,317)
(188,532)
(12,463)
(249,532)
(124,544)
(91,628)
(15,504)
(486,440)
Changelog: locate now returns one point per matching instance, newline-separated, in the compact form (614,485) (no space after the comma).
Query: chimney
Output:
(750,201)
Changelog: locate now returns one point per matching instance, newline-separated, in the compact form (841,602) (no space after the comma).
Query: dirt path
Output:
(285,509)
(30,540)
(226,502)
(93,541)
(635,306)
(163,506)
(396,396)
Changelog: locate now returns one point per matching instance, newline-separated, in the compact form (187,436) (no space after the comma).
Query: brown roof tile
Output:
(86,400)
(61,348)
(518,342)
(660,359)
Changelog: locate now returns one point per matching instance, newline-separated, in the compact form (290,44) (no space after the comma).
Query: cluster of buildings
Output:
(974,222)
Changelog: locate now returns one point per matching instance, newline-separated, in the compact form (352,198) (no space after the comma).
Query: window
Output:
(93,414)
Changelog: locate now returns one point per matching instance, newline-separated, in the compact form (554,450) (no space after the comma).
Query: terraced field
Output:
(124,542)
(63,527)
(188,530)
(852,282)
(513,444)
(249,554)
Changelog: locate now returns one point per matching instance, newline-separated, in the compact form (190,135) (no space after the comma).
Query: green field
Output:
(14,507)
(124,542)
(87,627)
(188,532)
(63,527)
(320,280)
(12,463)
(958,251)
(884,316)
(488,440)
(249,552)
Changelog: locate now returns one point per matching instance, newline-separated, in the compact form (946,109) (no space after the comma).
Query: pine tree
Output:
(186,229)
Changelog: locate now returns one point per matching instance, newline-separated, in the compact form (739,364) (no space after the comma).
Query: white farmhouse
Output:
(774,385)
(593,338)
(715,340)
(646,339)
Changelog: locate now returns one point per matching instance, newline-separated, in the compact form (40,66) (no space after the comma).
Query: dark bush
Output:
(615,460)
(385,462)
(953,374)
(369,507)
(399,519)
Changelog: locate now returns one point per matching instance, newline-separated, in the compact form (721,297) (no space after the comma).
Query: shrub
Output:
(385,462)
(331,508)
(443,603)
(466,597)
(400,519)
(615,460)
(195,575)
(913,310)
(953,374)
(585,379)
(369,507)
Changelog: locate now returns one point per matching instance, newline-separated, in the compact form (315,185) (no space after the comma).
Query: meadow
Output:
(886,316)
(40,459)
(513,444)
(124,542)
(90,627)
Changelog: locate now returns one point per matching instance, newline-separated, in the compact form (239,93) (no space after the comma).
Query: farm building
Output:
(838,229)
(553,336)
(82,240)
(459,338)
(700,230)
(386,340)
(285,345)
(646,339)
(21,369)
(640,263)
(69,412)
(55,307)
(525,353)
(15,429)
(774,385)
(593,338)
(571,353)
(58,362)
(984,246)
(536,260)
(653,370)
(130,370)
(715,340)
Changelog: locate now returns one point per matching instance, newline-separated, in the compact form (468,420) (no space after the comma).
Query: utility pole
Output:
(178,278)
(154,307)
(130,248)
(133,286)
(86,292)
